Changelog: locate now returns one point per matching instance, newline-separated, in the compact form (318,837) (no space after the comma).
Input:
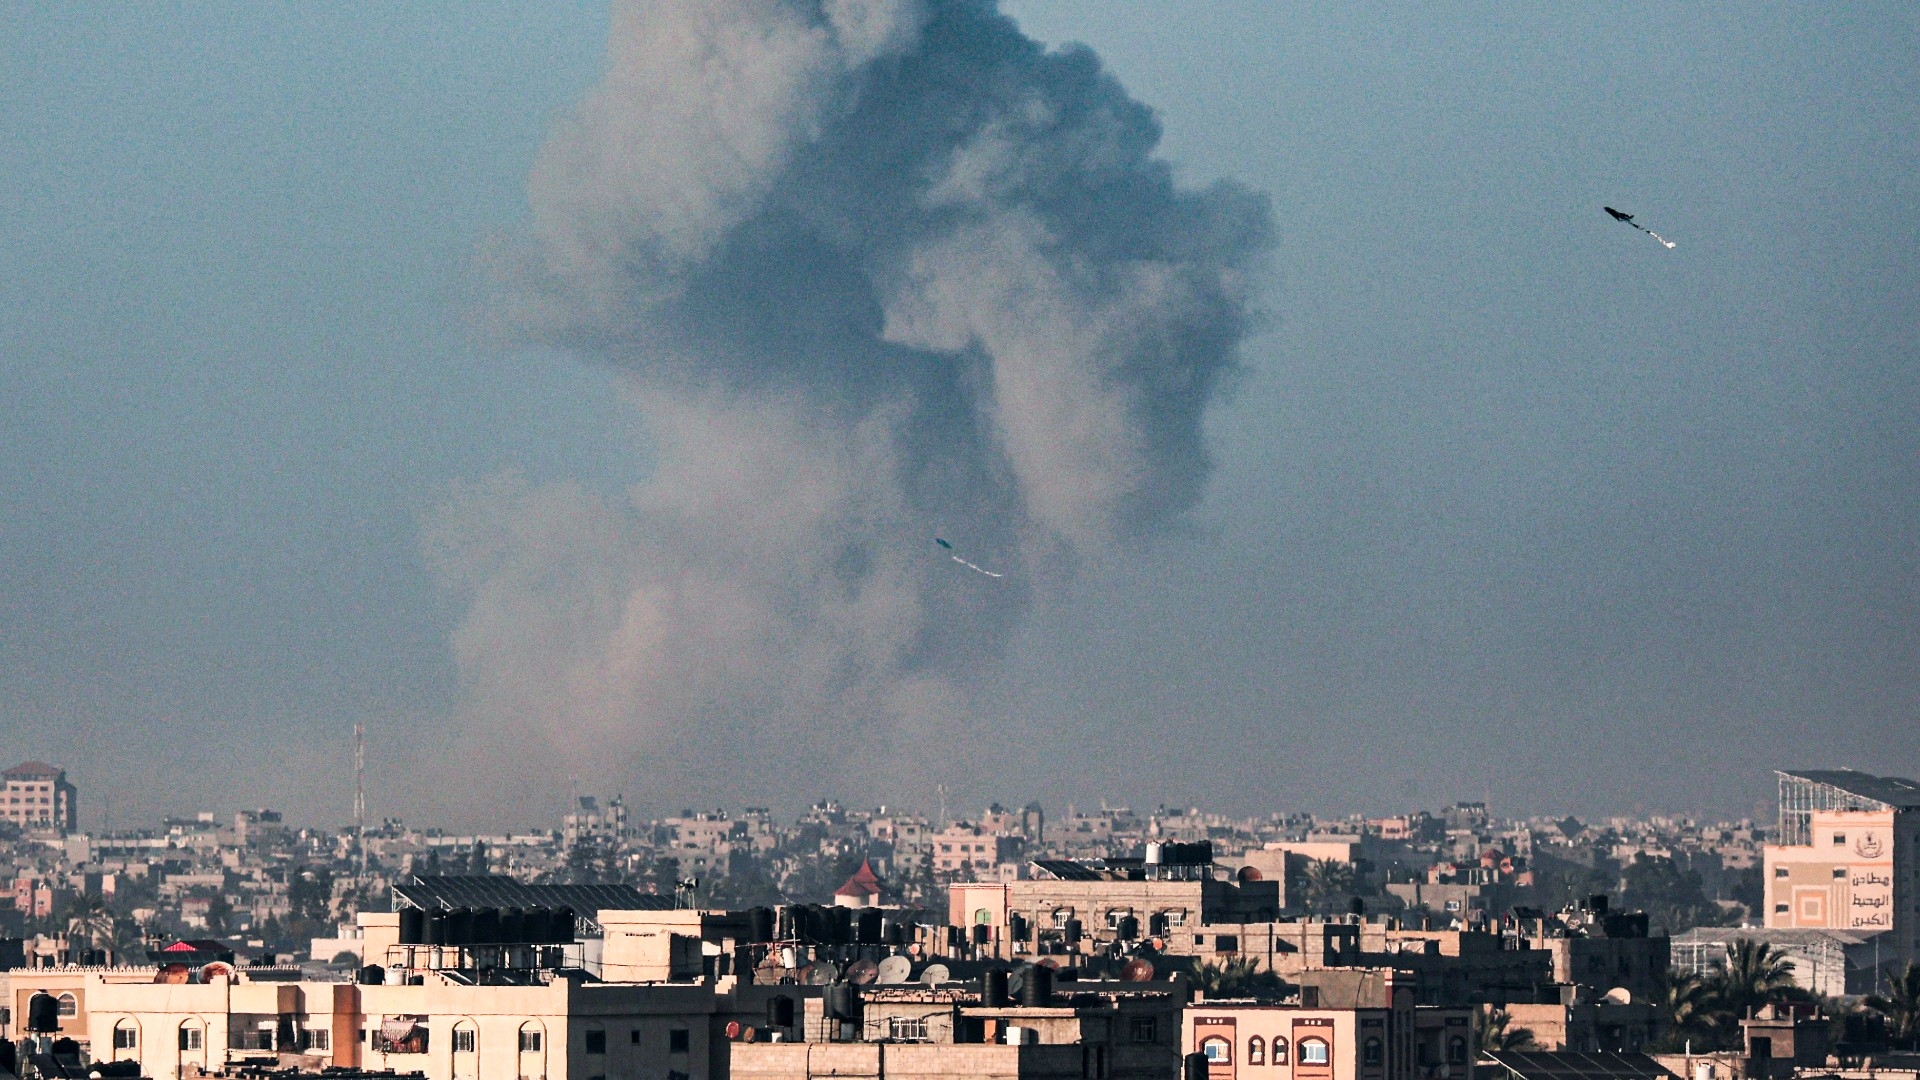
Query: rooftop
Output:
(1893,792)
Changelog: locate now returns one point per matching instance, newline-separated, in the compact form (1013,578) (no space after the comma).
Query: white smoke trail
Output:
(1670,244)
(865,264)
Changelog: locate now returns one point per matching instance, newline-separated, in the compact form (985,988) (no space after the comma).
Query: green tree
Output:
(1901,1003)
(1672,898)
(1496,1032)
(1756,973)
(1236,977)
(1685,1003)
(1328,883)
(89,922)
(219,914)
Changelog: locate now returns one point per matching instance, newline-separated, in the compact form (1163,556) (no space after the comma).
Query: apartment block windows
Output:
(679,1041)
(596,1042)
(465,1040)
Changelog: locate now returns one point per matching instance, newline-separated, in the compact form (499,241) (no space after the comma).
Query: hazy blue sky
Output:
(1508,498)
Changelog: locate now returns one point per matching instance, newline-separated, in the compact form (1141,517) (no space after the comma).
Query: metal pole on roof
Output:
(360,797)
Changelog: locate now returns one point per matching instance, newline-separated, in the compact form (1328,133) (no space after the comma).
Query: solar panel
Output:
(1565,1065)
(499,891)
(1068,870)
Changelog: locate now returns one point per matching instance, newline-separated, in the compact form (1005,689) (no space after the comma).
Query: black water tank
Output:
(413,926)
(1017,927)
(1158,924)
(486,927)
(9,1061)
(1193,1066)
(537,927)
(1073,931)
(786,924)
(993,992)
(955,937)
(759,924)
(1036,988)
(1128,928)
(513,926)
(982,933)
(43,1013)
(436,928)
(780,1011)
(561,924)
(372,975)
(460,926)
(895,933)
(870,928)
(842,919)
(841,1001)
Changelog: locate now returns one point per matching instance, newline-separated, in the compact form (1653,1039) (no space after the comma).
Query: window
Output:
(529,1041)
(1839,839)
(69,1005)
(316,1039)
(1256,1051)
(1114,915)
(1779,871)
(1226,943)
(634,1036)
(1279,1050)
(1061,915)
(1218,1050)
(596,1042)
(1314,1052)
(1370,1053)
(1839,871)
(465,1040)
(1142,1029)
(191,1038)
(1457,1050)
(678,1041)
(982,916)
(125,1036)
(907,1028)
(1176,916)
(1780,909)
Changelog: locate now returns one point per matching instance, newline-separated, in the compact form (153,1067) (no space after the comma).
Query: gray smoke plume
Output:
(874,270)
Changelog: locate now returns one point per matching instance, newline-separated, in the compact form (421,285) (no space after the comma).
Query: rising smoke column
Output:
(870,268)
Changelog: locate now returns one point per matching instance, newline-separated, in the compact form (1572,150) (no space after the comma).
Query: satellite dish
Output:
(733,1029)
(817,974)
(1136,970)
(1047,962)
(1251,873)
(863,972)
(893,970)
(935,974)
(1619,995)
(749,1034)
(216,970)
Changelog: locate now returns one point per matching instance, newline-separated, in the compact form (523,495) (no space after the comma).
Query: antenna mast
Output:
(360,795)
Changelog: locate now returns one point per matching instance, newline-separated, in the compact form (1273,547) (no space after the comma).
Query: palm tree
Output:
(89,921)
(1901,1005)
(1327,881)
(1238,976)
(1496,1033)
(1684,1001)
(1756,973)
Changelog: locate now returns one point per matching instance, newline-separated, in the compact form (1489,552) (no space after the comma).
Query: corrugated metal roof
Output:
(1896,792)
(1564,1065)
(499,891)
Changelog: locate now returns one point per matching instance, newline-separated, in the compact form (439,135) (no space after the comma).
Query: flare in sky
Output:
(956,558)
(1628,218)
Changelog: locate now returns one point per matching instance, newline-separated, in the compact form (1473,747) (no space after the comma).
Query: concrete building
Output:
(1390,1039)
(1847,858)
(1836,963)
(36,795)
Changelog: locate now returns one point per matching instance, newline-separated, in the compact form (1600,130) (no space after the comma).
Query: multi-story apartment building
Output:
(1847,858)
(36,795)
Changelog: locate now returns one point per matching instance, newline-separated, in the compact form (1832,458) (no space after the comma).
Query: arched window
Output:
(69,1005)
(193,1037)
(1218,1050)
(982,916)
(1256,1051)
(1457,1050)
(532,1039)
(126,1039)
(1372,1051)
(1314,1052)
(1279,1050)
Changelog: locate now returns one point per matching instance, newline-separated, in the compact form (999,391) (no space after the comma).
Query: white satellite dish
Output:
(935,974)
(1619,995)
(894,970)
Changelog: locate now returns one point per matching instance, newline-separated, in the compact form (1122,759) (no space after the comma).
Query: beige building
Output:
(1388,1039)
(36,795)
(1847,859)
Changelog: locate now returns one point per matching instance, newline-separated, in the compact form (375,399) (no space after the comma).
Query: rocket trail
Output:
(1622,216)
(956,558)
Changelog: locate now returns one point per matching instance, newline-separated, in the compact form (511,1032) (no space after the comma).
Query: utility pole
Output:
(360,797)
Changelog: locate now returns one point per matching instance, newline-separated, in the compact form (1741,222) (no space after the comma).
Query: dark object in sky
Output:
(943,543)
(956,558)
(1628,218)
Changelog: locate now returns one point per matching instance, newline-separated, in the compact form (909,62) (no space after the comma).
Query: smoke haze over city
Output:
(575,400)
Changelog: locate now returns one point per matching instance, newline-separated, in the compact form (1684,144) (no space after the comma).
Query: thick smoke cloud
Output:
(873,270)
